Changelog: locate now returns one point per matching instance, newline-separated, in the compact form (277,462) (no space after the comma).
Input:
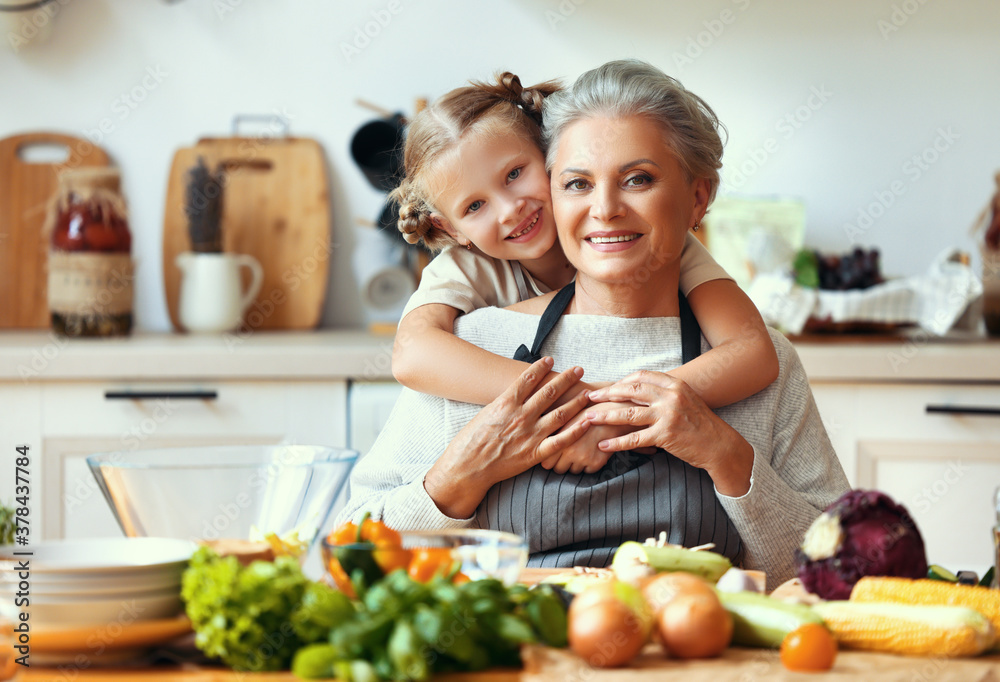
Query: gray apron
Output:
(581,519)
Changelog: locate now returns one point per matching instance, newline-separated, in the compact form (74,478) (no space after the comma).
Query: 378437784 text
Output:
(19,654)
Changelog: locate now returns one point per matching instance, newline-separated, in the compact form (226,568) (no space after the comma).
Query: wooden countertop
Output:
(548,665)
(543,664)
(30,357)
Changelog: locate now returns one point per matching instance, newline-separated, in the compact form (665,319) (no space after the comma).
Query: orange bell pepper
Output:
(386,548)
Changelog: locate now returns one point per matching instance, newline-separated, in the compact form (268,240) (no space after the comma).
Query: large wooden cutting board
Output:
(25,191)
(276,208)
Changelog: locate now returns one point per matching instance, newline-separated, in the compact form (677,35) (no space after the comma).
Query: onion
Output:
(609,624)
(662,588)
(695,626)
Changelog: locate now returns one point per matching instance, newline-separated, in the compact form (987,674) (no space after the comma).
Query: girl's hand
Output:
(509,436)
(671,416)
(583,456)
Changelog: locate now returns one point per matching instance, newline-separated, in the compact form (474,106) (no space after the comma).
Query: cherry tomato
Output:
(809,647)
(430,561)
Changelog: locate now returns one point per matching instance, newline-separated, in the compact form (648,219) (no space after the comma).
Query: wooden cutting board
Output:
(25,190)
(275,208)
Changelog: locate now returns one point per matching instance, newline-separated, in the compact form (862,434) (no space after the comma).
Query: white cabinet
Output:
(78,419)
(942,466)
(19,419)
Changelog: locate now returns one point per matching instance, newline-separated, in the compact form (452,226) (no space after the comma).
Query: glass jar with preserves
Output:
(90,261)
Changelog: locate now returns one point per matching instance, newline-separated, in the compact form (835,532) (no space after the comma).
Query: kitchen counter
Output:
(358,355)
(324,355)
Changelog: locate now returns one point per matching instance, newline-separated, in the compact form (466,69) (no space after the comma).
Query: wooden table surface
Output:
(544,664)
(736,665)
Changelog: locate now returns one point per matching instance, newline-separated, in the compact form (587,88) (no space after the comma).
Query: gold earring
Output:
(469,246)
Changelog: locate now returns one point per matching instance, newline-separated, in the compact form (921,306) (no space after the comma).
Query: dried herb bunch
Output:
(203,206)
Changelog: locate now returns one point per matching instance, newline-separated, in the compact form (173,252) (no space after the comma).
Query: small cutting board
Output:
(25,191)
(275,208)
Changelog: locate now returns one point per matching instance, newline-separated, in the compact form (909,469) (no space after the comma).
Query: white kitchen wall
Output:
(826,101)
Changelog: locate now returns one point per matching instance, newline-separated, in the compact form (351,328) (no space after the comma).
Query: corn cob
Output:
(709,565)
(906,591)
(939,631)
(762,621)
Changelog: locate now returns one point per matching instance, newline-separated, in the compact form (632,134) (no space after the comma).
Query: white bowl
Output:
(97,583)
(67,611)
(105,557)
(92,589)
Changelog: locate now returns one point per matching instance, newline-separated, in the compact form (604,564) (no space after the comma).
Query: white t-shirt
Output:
(469,279)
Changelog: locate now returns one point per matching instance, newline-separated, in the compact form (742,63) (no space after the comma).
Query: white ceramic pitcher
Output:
(211,297)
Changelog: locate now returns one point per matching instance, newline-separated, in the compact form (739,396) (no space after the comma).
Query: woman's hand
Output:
(671,416)
(509,436)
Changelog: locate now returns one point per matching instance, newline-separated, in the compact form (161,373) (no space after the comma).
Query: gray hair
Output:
(630,87)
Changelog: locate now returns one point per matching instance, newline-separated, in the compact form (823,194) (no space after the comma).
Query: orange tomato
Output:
(430,561)
(810,647)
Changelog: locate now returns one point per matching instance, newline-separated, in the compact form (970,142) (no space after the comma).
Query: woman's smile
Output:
(612,241)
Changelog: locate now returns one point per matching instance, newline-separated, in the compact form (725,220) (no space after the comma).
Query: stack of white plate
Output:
(108,582)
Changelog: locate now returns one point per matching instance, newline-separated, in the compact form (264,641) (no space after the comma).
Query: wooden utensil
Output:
(275,208)
(25,190)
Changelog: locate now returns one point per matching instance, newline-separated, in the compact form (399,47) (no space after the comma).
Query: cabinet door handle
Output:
(161,395)
(964,409)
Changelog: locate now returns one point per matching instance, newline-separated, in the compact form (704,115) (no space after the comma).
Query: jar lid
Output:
(91,178)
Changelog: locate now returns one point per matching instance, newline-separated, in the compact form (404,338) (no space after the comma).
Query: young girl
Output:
(476,189)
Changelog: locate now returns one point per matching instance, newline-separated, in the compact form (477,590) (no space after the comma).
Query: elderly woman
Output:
(633,159)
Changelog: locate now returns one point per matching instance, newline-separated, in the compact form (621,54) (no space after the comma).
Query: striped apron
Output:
(581,519)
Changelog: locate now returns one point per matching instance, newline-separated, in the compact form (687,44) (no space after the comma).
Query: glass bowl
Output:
(483,553)
(280,495)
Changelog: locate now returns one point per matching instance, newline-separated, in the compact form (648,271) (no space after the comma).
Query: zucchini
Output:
(708,565)
(762,621)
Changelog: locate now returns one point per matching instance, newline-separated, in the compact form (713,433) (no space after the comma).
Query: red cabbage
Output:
(863,533)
